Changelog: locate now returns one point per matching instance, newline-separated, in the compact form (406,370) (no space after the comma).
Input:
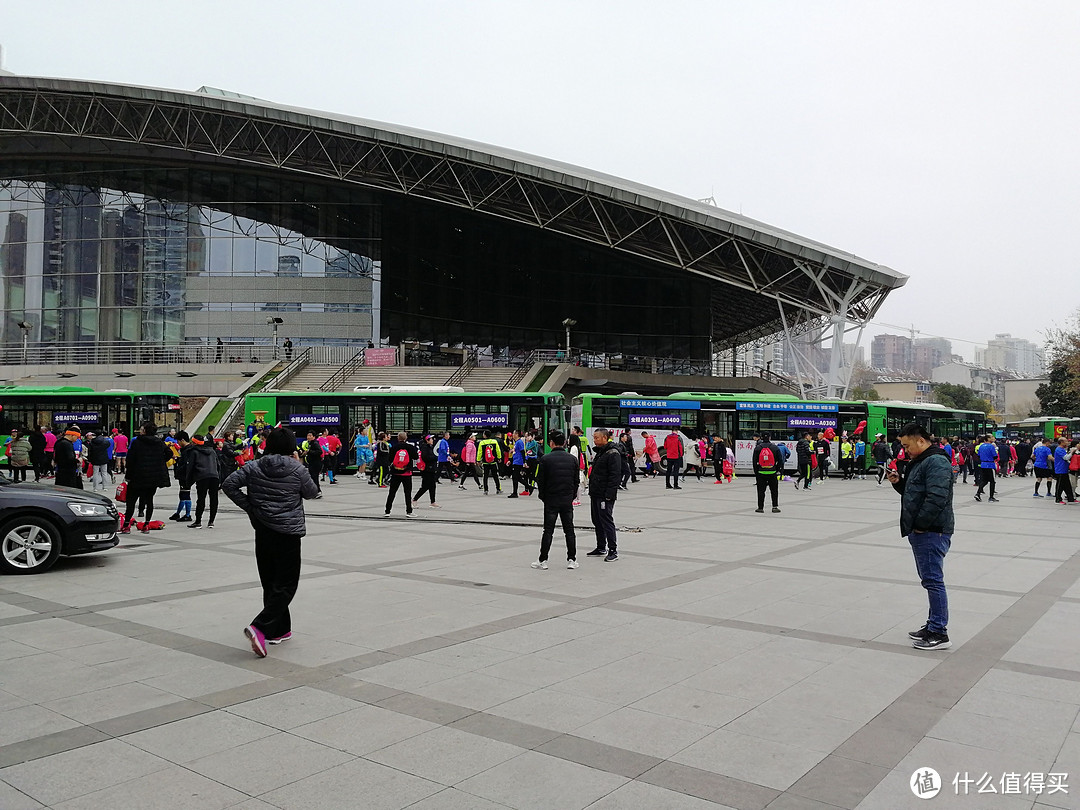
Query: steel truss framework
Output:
(38,115)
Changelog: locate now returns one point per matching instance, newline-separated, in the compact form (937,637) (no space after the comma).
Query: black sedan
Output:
(38,523)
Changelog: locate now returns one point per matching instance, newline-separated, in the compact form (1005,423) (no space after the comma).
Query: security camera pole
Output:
(26,326)
(274,322)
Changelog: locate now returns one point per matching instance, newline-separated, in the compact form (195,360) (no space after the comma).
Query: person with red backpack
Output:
(402,457)
(489,452)
(766,468)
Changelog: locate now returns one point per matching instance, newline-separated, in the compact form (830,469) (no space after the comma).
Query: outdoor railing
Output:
(132,353)
(338,378)
(291,370)
(458,377)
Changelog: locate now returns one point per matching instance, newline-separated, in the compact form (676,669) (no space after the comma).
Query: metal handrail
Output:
(463,370)
(343,373)
(235,409)
(282,378)
(519,375)
(150,353)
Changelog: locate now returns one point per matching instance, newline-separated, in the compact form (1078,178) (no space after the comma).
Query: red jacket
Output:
(673,446)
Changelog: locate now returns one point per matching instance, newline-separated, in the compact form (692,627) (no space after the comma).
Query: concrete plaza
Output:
(727,659)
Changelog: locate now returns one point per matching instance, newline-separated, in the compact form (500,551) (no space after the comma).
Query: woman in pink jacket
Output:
(652,453)
(468,463)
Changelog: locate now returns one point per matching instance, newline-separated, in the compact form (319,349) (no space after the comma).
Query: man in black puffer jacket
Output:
(926,519)
(277,484)
(556,482)
(603,489)
(204,473)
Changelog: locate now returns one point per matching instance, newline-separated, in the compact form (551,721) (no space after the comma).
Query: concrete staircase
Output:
(479,379)
(488,379)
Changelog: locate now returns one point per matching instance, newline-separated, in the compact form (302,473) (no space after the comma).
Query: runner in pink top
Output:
(120,450)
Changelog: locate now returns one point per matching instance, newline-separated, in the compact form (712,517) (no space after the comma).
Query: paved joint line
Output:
(875,749)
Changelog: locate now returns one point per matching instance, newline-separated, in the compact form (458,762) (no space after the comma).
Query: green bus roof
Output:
(440,394)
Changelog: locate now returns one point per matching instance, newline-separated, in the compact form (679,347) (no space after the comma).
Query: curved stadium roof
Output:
(762,277)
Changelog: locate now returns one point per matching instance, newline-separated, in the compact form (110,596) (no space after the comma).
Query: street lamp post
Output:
(274,323)
(568,323)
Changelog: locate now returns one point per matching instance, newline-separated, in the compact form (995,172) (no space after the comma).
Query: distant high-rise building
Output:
(929,353)
(1013,354)
(891,352)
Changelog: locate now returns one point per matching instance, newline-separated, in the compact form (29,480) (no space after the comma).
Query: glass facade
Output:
(92,264)
(106,252)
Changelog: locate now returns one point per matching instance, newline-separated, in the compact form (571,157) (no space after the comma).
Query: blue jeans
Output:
(930,549)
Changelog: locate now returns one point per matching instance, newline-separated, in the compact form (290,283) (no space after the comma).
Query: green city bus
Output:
(1044,427)
(100,411)
(417,410)
(739,417)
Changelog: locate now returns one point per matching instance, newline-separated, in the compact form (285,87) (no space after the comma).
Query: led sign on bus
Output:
(821,407)
(655,420)
(661,404)
(478,420)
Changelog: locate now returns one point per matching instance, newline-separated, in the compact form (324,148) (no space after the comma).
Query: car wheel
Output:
(28,545)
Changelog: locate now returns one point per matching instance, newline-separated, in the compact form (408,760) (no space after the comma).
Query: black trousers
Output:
(39,466)
(1064,487)
(430,480)
(564,511)
(821,468)
(518,472)
(768,482)
(604,522)
(315,470)
(987,477)
(203,488)
(447,469)
(803,471)
(405,482)
(718,466)
(18,474)
(530,474)
(673,467)
(492,470)
(278,558)
(469,471)
(145,500)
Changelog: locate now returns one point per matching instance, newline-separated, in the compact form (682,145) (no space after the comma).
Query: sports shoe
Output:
(511,496)
(577,503)
(540,564)
(195,525)
(993,500)
(922,632)
(776,508)
(978,498)
(932,641)
(257,639)
(793,481)
(175,516)
(409,513)
(209,525)
(434,506)
(571,563)
(612,556)
(597,552)
(759,510)
(279,639)
(1036,495)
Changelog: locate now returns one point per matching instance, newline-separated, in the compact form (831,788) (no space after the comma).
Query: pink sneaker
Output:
(577,503)
(280,639)
(257,639)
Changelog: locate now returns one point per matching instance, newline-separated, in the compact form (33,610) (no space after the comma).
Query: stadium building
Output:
(135,220)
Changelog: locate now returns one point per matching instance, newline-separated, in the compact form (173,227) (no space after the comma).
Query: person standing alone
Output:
(673,449)
(603,489)
(556,482)
(766,466)
(203,470)
(926,519)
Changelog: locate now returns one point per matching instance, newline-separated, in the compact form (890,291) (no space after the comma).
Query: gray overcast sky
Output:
(939,139)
